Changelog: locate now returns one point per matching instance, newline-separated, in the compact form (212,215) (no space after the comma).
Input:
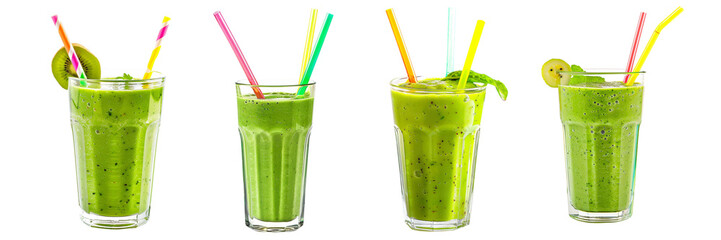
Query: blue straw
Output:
(450,39)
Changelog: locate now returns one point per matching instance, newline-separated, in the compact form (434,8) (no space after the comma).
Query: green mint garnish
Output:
(585,79)
(475,77)
(578,79)
(125,77)
(576,68)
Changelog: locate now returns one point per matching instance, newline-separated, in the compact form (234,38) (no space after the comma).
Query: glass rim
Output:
(426,90)
(113,80)
(274,85)
(600,72)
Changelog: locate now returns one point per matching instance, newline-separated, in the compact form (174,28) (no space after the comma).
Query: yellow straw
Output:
(308,42)
(650,43)
(471,54)
(156,50)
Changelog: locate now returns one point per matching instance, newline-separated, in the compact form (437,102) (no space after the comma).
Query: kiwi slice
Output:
(551,72)
(63,68)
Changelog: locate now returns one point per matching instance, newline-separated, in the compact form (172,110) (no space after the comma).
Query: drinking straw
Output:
(71,50)
(241,58)
(308,42)
(634,45)
(316,51)
(401,45)
(650,43)
(471,54)
(450,39)
(156,50)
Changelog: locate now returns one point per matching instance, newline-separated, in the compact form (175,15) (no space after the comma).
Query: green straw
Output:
(450,39)
(316,52)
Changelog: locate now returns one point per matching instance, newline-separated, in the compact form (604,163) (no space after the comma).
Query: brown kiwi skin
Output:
(62,67)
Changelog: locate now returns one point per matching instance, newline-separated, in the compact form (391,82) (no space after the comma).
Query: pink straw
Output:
(238,53)
(636,38)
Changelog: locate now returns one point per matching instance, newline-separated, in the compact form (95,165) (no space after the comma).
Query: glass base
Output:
(599,217)
(123,222)
(263,226)
(432,226)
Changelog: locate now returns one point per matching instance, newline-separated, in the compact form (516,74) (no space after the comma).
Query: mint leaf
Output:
(125,77)
(475,77)
(578,79)
(576,68)
(585,79)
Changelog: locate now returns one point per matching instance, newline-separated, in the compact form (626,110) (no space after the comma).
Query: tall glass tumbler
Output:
(437,137)
(115,129)
(274,134)
(601,118)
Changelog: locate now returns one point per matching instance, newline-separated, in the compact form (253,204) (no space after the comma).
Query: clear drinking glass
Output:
(274,135)
(601,118)
(437,138)
(115,129)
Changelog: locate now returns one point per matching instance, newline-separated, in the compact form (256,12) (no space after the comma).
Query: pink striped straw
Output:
(238,53)
(71,51)
(634,47)
(156,50)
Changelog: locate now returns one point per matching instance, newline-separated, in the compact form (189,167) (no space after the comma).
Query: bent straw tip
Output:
(55,18)
(678,10)
(166,19)
(668,19)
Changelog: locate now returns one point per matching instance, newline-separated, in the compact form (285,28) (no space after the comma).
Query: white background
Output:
(353,186)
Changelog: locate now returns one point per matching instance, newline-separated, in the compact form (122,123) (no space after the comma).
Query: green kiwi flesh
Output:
(63,68)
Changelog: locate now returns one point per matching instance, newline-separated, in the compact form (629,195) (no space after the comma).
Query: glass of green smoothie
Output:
(437,129)
(274,136)
(601,117)
(115,129)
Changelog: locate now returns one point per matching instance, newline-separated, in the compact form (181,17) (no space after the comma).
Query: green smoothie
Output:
(274,135)
(437,129)
(601,122)
(115,132)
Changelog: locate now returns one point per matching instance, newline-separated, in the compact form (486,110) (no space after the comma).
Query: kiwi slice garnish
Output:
(63,68)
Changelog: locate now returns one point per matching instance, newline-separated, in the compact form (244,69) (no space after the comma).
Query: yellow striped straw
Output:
(650,43)
(154,55)
(308,42)
(471,54)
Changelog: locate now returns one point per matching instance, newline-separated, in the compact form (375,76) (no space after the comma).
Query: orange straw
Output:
(401,46)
